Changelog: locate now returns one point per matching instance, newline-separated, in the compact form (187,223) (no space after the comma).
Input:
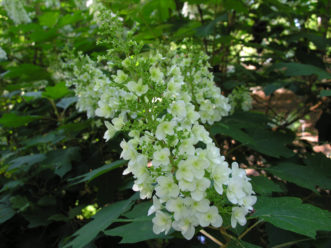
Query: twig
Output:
(290,243)
(249,229)
(212,238)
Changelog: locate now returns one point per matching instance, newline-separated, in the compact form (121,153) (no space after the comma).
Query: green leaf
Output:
(98,172)
(251,130)
(20,203)
(49,19)
(290,214)
(12,120)
(26,72)
(29,96)
(241,244)
(11,185)
(66,102)
(6,212)
(141,227)
(236,5)
(232,131)
(61,160)
(270,143)
(100,222)
(325,93)
(136,231)
(164,7)
(139,210)
(305,176)
(70,18)
(44,35)
(55,92)
(296,69)
(26,161)
(208,29)
(52,138)
(320,162)
(264,186)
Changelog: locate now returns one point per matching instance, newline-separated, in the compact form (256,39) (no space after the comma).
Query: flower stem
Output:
(212,238)
(248,229)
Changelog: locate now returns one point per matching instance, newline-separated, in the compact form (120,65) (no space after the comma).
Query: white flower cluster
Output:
(15,10)
(164,100)
(52,3)
(241,99)
(3,54)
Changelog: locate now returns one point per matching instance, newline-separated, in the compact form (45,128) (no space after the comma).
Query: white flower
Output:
(236,171)
(145,188)
(111,131)
(178,207)
(119,122)
(186,226)
(166,187)
(200,188)
(185,171)
(162,222)
(235,191)
(201,134)
(248,201)
(201,206)
(191,115)
(121,77)
(156,74)
(137,88)
(186,185)
(186,147)
(155,207)
(165,128)
(161,157)
(238,216)
(3,54)
(220,174)
(210,217)
(15,10)
(173,87)
(128,151)
(198,166)
(177,109)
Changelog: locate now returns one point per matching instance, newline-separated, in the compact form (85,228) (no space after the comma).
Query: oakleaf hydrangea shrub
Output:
(164,98)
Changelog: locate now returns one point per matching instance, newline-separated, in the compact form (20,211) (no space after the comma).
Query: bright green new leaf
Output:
(12,120)
(98,172)
(100,222)
(55,92)
(49,19)
(291,214)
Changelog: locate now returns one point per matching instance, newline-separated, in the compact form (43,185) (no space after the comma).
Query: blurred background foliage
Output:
(62,184)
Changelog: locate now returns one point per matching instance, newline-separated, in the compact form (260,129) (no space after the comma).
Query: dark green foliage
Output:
(61,184)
